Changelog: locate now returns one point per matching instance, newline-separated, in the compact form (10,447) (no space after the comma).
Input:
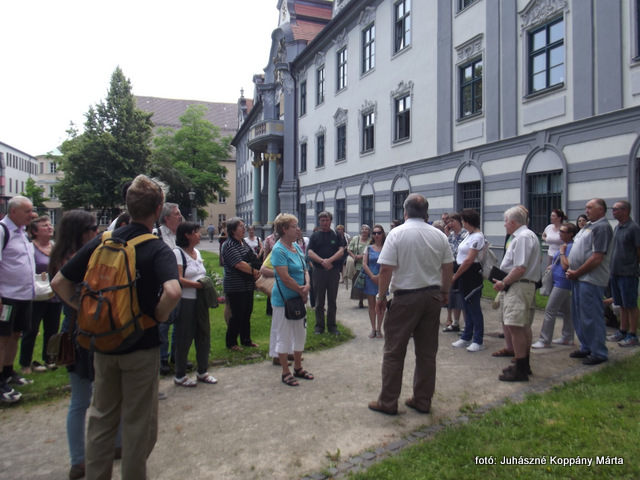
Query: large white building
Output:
(473,103)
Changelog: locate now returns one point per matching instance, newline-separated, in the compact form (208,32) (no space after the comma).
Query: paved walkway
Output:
(250,425)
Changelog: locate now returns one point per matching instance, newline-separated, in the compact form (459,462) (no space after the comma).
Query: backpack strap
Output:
(184,261)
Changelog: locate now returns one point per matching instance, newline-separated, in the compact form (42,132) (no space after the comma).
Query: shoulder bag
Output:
(294,308)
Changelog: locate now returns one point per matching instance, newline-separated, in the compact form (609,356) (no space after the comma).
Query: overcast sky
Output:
(58,56)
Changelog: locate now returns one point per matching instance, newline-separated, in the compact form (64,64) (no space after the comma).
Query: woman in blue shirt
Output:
(292,279)
(560,297)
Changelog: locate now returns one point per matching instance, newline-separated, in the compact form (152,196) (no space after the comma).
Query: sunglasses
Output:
(377,233)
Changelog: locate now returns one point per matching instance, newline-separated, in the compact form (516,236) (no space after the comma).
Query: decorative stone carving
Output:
(367,107)
(471,49)
(539,11)
(303,139)
(341,40)
(319,60)
(367,16)
(321,131)
(340,117)
(403,88)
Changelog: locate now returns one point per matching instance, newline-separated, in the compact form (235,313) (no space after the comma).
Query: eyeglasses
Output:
(377,233)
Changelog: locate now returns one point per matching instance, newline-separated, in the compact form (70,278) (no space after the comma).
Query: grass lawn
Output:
(596,418)
(50,385)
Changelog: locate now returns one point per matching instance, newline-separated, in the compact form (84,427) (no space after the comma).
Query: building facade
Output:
(16,167)
(472,103)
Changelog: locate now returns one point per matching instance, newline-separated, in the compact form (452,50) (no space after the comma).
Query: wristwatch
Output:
(383,297)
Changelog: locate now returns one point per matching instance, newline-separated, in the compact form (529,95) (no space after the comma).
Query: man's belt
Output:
(415,290)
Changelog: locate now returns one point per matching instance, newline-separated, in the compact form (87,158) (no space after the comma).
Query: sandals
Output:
(503,353)
(185,382)
(451,328)
(302,373)
(372,334)
(236,348)
(379,334)
(288,379)
(206,377)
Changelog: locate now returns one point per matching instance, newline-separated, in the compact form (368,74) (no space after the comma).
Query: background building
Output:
(16,167)
(472,103)
(167,113)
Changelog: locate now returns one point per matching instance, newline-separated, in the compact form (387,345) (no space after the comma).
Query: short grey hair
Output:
(17,201)
(517,214)
(167,209)
(416,206)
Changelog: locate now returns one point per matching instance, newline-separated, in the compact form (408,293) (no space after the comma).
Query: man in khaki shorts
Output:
(521,262)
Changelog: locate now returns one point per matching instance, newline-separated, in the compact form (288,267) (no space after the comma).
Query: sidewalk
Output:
(251,425)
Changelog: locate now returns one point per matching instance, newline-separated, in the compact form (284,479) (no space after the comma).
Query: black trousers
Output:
(241,304)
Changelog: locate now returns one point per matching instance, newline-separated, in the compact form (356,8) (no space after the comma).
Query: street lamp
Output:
(194,210)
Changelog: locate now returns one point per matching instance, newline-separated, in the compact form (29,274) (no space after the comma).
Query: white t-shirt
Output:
(553,239)
(418,251)
(194,271)
(474,241)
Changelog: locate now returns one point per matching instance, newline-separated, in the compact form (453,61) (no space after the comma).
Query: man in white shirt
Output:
(521,262)
(416,264)
(17,269)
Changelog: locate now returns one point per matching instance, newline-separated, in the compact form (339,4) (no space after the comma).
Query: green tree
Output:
(36,194)
(190,158)
(114,148)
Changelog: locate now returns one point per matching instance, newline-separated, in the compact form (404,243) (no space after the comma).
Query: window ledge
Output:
(400,52)
(468,118)
(341,160)
(402,141)
(367,152)
(546,91)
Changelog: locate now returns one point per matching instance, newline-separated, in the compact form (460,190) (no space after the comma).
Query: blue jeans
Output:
(81,393)
(588,318)
(473,319)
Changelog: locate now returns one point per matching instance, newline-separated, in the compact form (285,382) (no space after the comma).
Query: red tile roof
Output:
(314,12)
(306,30)
(167,112)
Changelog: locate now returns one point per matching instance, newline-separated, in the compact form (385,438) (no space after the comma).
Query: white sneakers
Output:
(461,343)
(475,347)
(539,344)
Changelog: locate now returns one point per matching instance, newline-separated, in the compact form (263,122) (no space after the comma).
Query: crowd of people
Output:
(426,267)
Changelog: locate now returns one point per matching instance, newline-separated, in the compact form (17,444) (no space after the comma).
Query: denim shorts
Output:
(624,290)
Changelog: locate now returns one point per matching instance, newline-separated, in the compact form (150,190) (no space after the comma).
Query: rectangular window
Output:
(470,196)
(546,56)
(368,131)
(368,48)
(303,98)
(403,118)
(398,204)
(366,209)
(342,69)
(465,3)
(319,208)
(320,151)
(222,199)
(341,134)
(303,157)
(320,85)
(341,212)
(471,88)
(544,193)
(302,217)
(402,25)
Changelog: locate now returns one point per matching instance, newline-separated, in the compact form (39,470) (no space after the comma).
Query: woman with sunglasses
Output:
(372,269)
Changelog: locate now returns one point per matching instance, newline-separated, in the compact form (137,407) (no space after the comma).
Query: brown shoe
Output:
(375,406)
(409,402)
